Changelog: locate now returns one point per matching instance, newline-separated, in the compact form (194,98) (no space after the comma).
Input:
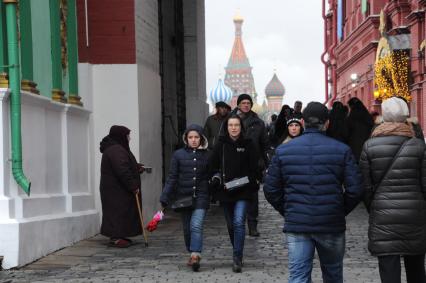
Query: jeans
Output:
(301,249)
(390,268)
(192,221)
(235,215)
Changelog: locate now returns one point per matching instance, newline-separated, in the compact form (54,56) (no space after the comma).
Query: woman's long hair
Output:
(234,116)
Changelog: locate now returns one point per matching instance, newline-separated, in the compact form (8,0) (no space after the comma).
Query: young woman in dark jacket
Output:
(394,168)
(188,176)
(234,157)
(120,182)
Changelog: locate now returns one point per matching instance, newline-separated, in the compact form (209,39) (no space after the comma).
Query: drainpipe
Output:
(15,96)
(333,54)
(325,51)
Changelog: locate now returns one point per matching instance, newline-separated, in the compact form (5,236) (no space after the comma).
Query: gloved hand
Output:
(163,204)
(214,184)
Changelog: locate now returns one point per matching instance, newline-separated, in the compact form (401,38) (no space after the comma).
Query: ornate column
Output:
(4,83)
(72,48)
(57,63)
(26,47)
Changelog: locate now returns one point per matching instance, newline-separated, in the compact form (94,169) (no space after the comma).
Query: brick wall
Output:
(111,31)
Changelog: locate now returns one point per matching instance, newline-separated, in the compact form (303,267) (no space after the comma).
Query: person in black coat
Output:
(234,157)
(337,122)
(359,124)
(256,131)
(188,177)
(120,182)
(393,164)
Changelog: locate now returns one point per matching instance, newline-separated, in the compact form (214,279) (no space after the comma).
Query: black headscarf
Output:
(117,134)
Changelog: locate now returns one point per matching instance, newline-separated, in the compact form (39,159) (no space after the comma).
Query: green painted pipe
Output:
(15,96)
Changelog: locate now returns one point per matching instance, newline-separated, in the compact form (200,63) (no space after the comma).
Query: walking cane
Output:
(141,219)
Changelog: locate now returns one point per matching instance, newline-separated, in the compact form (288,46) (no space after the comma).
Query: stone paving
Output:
(164,260)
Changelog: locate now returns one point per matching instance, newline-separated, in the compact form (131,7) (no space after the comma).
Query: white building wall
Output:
(111,92)
(60,209)
(149,91)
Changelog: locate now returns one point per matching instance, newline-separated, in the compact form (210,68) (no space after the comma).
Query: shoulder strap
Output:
(390,165)
(223,163)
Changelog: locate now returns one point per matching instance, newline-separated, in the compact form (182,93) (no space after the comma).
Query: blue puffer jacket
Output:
(314,182)
(188,171)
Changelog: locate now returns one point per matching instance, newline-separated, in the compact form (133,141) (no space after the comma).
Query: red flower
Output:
(152,225)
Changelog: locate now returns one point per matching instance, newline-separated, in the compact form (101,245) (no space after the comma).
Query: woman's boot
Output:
(237,266)
(195,261)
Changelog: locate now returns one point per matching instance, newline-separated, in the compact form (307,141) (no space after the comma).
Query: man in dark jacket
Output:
(256,131)
(213,123)
(314,182)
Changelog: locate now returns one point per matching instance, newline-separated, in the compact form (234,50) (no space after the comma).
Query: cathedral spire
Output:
(238,71)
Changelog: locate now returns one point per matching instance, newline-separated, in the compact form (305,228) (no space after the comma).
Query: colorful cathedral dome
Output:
(220,93)
(274,87)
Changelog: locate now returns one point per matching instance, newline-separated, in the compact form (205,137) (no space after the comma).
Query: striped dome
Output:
(274,87)
(220,93)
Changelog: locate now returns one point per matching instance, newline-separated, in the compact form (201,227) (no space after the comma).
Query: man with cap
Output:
(314,182)
(214,122)
(256,131)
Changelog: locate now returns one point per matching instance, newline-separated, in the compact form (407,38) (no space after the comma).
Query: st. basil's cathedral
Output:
(239,79)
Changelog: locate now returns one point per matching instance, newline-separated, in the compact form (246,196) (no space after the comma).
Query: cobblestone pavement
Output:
(265,258)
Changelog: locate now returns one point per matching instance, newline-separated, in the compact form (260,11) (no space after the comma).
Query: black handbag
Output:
(183,203)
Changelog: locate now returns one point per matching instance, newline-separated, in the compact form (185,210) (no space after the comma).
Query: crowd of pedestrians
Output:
(316,164)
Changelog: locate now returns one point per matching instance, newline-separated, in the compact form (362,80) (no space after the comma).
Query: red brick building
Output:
(357,36)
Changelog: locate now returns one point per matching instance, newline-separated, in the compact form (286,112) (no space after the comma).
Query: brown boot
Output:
(195,262)
(189,263)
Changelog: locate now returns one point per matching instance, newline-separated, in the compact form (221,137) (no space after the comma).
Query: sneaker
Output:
(195,262)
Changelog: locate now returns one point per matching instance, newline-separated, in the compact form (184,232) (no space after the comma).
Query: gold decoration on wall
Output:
(63,7)
(382,26)
(4,80)
(422,45)
(391,73)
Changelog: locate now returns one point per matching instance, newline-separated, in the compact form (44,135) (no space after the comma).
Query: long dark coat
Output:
(397,221)
(240,160)
(119,179)
(255,130)
(358,130)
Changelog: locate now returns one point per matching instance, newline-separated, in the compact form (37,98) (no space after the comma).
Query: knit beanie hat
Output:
(294,120)
(244,96)
(395,109)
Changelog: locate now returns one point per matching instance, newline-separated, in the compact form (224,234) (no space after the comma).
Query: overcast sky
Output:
(282,34)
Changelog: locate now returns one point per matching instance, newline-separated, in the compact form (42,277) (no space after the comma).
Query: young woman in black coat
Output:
(120,182)
(234,157)
(188,177)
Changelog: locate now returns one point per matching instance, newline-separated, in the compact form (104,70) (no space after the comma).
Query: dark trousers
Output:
(390,268)
(253,211)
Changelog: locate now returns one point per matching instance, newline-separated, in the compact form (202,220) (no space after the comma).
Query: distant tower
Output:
(238,71)
(274,93)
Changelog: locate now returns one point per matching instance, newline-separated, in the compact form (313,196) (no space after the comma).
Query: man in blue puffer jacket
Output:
(314,182)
